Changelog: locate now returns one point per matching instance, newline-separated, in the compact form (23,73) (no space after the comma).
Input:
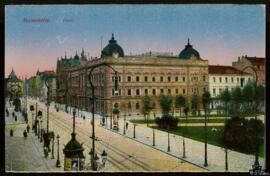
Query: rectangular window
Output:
(184,79)
(176,78)
(226,80)
(153,79)
(214,91)
(184,91)
(161,91)
(203,89)
(169,79)
(119,78)
(232,79)
(195,90)
(220,90)
(112,92)
(154,91)
(220,79)
(169,91)
(161,79)
(137,78)
(203,78)
(119,92)
(214,79)
(129,78)
(112,78)
(129,92)
(237,80)
(137,91)
(176,91)
(145,78)
(146,91)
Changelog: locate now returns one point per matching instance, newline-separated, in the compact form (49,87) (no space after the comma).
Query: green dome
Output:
(73,148)
(188,52)
(112,48)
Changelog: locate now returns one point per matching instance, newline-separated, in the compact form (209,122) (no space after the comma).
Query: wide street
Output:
(124,154)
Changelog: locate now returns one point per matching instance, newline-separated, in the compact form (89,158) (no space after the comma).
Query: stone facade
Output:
(138,76)
(257,63)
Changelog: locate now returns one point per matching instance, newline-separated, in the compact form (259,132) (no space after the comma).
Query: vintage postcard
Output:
(135,88)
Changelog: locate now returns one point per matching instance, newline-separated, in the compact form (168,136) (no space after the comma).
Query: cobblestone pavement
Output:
(238,162)
(124,154)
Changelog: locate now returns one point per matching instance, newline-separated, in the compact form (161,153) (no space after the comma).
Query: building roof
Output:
(13,77)
(222,69)
(48,73)
(189,51)
(256,60)
(112,48)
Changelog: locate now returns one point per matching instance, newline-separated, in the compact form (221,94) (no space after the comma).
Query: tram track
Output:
(84,137)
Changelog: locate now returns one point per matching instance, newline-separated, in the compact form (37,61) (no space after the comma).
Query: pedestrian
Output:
(83,117)
(11,132)
(28,128)
(25,134)
(13,114)
(15,117)
(127,125)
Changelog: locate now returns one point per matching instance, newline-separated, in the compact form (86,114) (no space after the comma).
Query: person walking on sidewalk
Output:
(127,125)
(25,134)
(28,128)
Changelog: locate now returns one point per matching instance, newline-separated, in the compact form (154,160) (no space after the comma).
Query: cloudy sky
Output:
(220,33)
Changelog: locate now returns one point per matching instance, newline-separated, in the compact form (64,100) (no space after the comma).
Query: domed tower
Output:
(188,52)
(112,49)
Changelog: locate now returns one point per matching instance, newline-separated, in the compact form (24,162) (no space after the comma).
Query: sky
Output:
(220,33)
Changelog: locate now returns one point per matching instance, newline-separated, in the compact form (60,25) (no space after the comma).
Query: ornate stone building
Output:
(256,62)
(184,75)
(14,86)
(62,75)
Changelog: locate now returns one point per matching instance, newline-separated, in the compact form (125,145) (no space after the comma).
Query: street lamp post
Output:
(256,166)
(36,121)
(169,148)
(52,146)
(154,137)
(41,131)
(124,125)
(93,98)
(134,134)
(58,161)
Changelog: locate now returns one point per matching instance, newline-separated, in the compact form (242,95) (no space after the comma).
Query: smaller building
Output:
(258,63)
(37,87)
(225,77)
(14,85)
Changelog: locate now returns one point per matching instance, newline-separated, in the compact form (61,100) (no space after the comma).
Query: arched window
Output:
(137,105)
(129,105)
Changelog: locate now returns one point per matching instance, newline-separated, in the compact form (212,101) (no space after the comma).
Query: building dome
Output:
(112,49)
(188,51)
(73,148)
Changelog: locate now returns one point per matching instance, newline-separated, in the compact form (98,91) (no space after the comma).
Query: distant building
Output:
(155,53)
(225,77)
(14,86)
(62,75)
(258,63)
(37,87)
(186,74)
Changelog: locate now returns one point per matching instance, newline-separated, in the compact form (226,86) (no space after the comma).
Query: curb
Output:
(155,148)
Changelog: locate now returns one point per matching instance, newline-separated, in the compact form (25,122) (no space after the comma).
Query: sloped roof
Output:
(222,69)
(256,60)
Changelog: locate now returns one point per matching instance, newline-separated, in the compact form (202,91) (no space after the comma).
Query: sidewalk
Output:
(24,154)
(238,162)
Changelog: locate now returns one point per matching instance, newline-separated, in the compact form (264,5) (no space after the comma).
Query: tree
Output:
(165,103)
(180,101)
(225,97)
(167,120)
(237,99)
(194,103)
(248,94)
(147,106)
(205,100)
